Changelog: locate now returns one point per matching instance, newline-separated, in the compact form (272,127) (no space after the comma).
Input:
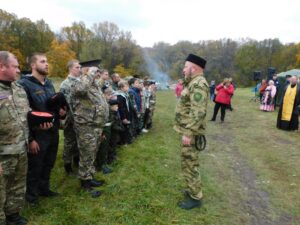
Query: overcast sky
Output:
(151,21)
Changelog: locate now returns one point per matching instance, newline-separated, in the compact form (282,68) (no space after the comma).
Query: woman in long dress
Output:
(268,99)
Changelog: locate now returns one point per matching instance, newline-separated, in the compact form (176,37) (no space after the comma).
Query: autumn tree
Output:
(58,57)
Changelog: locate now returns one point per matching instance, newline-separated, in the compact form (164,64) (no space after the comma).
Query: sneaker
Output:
(144,130)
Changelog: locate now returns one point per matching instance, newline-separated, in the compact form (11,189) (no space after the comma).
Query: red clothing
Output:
(224,94)
(178,89)
(263,88)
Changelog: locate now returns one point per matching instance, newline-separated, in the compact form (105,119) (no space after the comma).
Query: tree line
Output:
(120,53)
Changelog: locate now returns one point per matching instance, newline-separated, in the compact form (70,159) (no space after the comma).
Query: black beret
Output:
(197,60)
(113,102)
(91,63)
(58,100)
(36,118)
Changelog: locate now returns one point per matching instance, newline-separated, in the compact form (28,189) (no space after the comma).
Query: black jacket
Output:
(38,94)
(123,106)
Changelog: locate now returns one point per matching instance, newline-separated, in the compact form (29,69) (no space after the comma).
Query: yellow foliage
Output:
(122,71)
(58,57)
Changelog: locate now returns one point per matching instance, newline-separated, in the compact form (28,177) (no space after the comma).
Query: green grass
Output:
(146,183)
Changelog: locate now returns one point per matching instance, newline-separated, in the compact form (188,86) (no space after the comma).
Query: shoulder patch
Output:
(197,97)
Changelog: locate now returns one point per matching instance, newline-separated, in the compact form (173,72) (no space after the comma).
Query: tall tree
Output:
(58,57)
(77,34)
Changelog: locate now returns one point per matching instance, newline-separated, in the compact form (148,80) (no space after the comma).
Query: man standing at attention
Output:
(14,107)
(43,143)
(190,122)
(70,143)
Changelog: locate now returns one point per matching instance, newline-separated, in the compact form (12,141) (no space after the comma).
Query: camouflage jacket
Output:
(14,107)
(65,88)
(191,108)
(90,106)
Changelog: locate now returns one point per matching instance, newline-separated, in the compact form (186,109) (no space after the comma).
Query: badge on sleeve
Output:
(197,97)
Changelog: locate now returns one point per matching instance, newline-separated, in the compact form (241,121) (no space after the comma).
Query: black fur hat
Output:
(197,60)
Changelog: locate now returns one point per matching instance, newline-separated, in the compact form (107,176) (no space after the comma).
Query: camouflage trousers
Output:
(70,143)
(88,141)
(190,162)
(12,184)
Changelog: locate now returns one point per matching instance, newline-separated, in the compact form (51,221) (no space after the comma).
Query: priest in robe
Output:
(288,112)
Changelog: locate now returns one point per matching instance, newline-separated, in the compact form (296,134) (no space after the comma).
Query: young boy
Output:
(116,128)
(125,112)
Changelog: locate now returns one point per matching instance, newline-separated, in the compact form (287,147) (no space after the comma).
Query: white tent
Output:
(294,72)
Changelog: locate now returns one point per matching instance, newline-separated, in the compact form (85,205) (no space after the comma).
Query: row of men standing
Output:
(86,115)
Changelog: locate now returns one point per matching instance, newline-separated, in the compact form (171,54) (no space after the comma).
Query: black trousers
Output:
(41,164)
(216,110)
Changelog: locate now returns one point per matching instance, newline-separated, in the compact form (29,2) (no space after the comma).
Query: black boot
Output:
(86,185)
(96,183)
(68,168)
(190,203)
(15,219)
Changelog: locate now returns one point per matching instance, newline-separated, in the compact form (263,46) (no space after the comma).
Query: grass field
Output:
(250,172)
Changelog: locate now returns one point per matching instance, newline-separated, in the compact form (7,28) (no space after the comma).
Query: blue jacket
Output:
(137,97)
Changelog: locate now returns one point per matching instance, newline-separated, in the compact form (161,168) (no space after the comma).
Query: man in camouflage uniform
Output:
(115,80)
(190,122)
(70,144)
(13,141)
(104,76)
(89,118)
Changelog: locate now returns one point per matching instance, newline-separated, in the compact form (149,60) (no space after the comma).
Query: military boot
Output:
(68,168)
(86,185)
(15,219)
(190,203)
(96,183)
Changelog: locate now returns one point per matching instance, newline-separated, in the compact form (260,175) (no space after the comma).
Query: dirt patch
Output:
(257,204)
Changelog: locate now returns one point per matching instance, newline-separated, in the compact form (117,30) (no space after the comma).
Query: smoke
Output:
(155,72)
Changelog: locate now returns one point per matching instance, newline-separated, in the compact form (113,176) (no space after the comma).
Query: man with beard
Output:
(43,144)
(190,123)
(288,112)
(13,141)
